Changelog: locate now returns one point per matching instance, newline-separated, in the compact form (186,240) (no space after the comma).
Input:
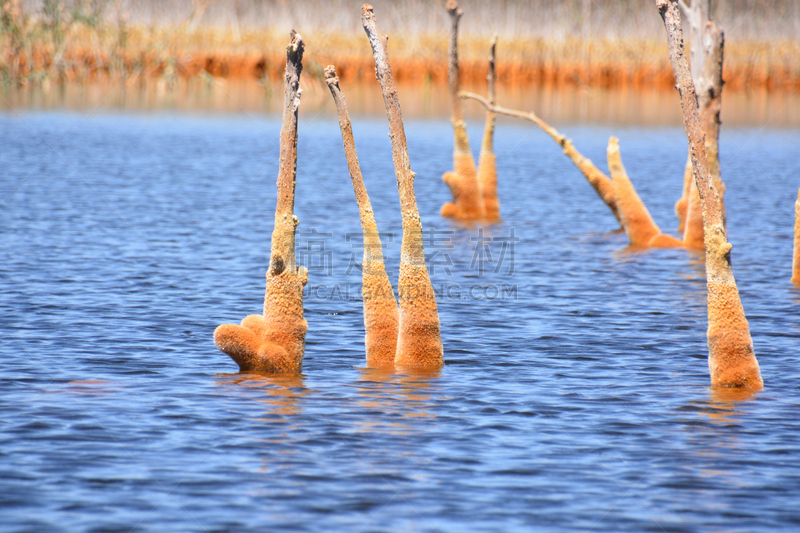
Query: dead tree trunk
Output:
(487,163)
(463,181)
(275,341)
(380,306)
(707,43)
(596,178)
(710,102)
(642,230)
(419,342)
(731,359)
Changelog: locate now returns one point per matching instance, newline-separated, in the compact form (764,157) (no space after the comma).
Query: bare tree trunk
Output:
(731,360)
(596,178)
(707,44)
(419,342)
(796,256)
(642,230)
(697,12)
(463,181)
(380,306)
(710,103)
(487,163)
(275,341)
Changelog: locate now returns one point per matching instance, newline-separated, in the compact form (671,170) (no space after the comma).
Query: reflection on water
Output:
(279,393)
(404,395)
(569,105)
(727,400)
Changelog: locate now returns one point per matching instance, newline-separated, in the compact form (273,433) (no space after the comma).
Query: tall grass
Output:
(584,42)
(743,20)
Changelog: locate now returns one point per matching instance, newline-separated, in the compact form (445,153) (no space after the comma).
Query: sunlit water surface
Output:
(575,394)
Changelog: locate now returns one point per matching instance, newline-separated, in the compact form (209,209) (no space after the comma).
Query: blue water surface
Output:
(575,394)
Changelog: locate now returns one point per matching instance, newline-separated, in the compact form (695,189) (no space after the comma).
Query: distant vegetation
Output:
(579,42)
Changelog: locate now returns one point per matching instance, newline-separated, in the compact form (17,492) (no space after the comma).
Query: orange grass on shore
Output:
(86,54)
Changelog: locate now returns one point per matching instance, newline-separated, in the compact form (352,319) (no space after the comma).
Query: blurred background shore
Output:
(191,53)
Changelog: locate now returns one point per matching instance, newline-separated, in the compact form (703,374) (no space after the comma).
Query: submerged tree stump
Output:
(380,306)
(487,162)
(463,180)
(731,359)
(419,342)
(275,341)
(640,227)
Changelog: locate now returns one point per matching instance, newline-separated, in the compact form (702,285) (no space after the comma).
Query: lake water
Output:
(575,394)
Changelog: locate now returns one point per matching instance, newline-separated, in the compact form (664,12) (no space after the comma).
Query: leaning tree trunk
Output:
(642,230)
(487,163)
(419,342)
(463,181)
(707,44)
(710,103)
(275,341)
(599,181)
(380,306)
(731,359)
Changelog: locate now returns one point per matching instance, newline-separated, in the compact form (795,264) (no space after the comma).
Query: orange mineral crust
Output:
(380,307)
(732,361)
(693,232)
(682,205)
(639,225)
(487,162)
(419,341)
(464,186)
(275,341)
(487,176)
(463,181)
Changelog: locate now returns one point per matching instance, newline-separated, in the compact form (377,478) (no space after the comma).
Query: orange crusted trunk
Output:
(380,306)
(275,341)
(642,230)
(731,358)
(487,163)
(463,181)
(419,342)
(693,233)
(682,205)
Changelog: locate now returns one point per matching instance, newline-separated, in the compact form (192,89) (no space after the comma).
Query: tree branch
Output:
(597,179)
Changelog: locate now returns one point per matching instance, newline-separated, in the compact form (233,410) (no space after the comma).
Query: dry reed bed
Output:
(86,53)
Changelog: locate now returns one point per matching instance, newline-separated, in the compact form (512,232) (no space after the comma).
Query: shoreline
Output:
(119,53)
(561,106)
